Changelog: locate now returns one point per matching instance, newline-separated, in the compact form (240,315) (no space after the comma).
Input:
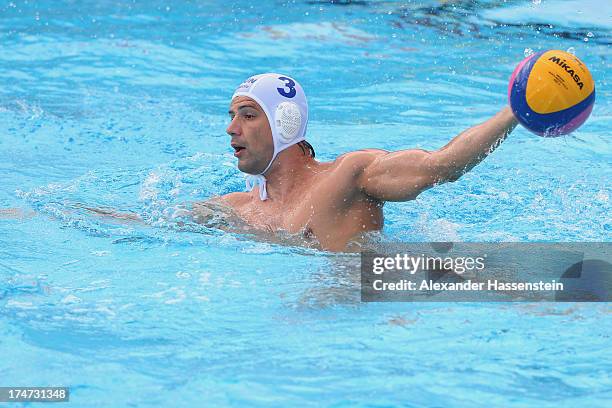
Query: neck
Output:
(291,168)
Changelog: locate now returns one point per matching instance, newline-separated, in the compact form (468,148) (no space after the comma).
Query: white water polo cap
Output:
(284,103)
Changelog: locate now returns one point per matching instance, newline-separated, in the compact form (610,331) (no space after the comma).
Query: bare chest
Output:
(270,216)
(318,218)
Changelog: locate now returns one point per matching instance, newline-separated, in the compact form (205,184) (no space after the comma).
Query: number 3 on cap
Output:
(288,84)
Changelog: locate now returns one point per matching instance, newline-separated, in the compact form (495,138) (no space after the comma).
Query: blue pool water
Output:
(123,105)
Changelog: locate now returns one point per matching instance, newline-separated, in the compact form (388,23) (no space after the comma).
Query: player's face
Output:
(251,135)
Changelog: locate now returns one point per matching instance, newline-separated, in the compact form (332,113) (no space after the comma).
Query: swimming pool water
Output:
(123,105)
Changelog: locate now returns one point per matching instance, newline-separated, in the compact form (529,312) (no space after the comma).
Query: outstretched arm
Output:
(111,213)
(403,175)
(18,213)
(15,214)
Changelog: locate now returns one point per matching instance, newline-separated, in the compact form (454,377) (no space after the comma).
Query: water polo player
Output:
(332,202)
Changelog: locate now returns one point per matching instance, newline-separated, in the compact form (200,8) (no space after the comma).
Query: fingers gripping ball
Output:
(551,93)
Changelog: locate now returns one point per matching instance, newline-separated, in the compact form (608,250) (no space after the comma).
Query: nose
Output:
(233,128)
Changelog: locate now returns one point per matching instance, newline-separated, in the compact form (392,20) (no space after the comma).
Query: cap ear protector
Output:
(288,121)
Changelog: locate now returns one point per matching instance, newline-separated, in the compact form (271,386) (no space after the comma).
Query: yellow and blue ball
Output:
(551,93)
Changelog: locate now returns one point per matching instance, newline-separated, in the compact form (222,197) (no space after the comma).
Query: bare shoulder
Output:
(355,162)
(342,175)
(236,199)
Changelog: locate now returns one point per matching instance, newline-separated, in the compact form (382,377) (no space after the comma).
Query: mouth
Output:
(237,149)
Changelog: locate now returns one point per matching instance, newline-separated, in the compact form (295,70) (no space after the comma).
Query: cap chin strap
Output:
(259,180)
(253,180)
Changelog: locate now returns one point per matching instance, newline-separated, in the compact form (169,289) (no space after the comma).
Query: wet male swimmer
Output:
(332,202)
